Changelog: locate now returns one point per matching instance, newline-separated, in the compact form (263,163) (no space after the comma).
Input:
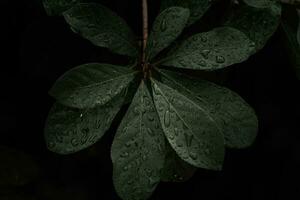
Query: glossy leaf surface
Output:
(197,7)
(166,28)
(93,84)
(57,7)
(212,50)
(189,128)
(233,115)
(175,169)
(258,24)
(138,149)
(69,130)
(259,3)
(102,27)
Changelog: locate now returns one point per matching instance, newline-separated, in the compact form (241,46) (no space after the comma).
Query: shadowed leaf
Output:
(102,27)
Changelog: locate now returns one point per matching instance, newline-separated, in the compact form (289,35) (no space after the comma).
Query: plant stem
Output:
(145,34)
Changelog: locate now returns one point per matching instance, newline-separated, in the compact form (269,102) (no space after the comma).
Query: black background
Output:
(37,49)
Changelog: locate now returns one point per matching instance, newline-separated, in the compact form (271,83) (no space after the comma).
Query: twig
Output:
(145,34)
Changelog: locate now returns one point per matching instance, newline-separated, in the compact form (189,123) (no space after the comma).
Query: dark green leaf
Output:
(175,169)
(212,50)
(138,150)
(93,84)
(16,168)
(292,46)
(236,118)
(166,28)
(69,130)
(57,7)
(188,126)
(258,24)
(197,7)
(102,27)
(259,3)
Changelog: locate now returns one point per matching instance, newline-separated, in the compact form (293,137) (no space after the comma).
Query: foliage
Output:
(175,123)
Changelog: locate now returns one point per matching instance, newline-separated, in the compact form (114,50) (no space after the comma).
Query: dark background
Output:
(37,49)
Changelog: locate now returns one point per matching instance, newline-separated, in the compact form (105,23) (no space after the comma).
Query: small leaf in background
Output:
(175,169)
(258,24)
(16,168)
(166,28)
(138,149)
(212,50)
(259,3)
(102,27)
(292,46)
(197,7)
(188,126)
(298,30)
(235,117)
(69,130)
(92,84)
(57,7)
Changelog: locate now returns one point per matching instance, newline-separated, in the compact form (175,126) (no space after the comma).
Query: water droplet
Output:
(220,59)
(51,145)
(144,157)
(128,144)
(176,131)
(163,25)
(167,118)
(150,132)
(171,136)
(81,115)
(136,110)
(202,63)
(205,53)
(189,138)
(150,117)
(203,39)
(179,143)
(74,142)
(124,154)
(206,151)
(193,155)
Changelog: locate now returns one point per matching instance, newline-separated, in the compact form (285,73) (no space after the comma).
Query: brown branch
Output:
(145,33)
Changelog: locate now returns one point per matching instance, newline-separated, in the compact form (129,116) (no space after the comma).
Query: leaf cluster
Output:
(174,123)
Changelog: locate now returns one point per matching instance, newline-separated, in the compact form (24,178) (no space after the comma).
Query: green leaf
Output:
(197,7)
(188,126)
(212,50)
(93,84)
(236,118)
(138,150)
(16,168)
(102,27)
(292,46)
(166,28)
(57,7)
(258,24)
(259,3)
(69,130)
(175,169)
